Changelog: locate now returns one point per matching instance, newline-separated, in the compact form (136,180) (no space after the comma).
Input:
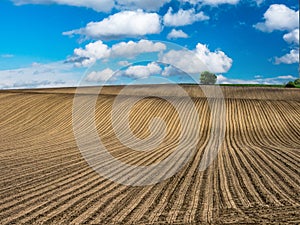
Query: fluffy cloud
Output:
(98,50)
(198,60)
(289,58)
(102,76)
(103,5)
(131,49)
(123,24)
(174,34)
(292,37)
(279,17)
(90,54)
(217,61)
(184,60)
(183,17)
(143,71)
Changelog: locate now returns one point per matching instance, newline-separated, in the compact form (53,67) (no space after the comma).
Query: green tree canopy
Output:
(208,78)
(297,81)
(290,84)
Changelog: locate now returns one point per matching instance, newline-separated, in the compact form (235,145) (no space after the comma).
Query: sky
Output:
(60,43)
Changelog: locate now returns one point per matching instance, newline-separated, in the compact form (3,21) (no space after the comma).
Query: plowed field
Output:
(254,179)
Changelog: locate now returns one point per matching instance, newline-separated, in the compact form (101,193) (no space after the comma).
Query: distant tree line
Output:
(209,78)
(292,84)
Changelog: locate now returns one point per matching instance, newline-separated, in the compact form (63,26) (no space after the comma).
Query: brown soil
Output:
(255,178)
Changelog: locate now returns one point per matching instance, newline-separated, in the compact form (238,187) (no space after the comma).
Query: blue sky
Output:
(51,43)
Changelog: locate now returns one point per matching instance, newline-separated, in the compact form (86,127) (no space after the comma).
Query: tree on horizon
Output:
(207,77)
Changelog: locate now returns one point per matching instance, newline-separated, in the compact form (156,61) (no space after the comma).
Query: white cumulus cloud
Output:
(289,58)
(131,48)
(122,24)
(279,17)
(101,76)
(98,51)
(217,61)
(174,34)
(183,17)
(292,37)
(143,71)
(184,60)
(90,54)
(198,60)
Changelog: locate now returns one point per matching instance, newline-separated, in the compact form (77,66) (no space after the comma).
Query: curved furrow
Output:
(246,191)
(264,163)
(257,179)
(286,134)
(62,199)
(268,126)
(24,176)
(285,186)
(274,190)
(255,136)
(34,114)
(132,204)
(38,203)
(45,179)
(178,195)
(284,158)
(159,204)
(36,189)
